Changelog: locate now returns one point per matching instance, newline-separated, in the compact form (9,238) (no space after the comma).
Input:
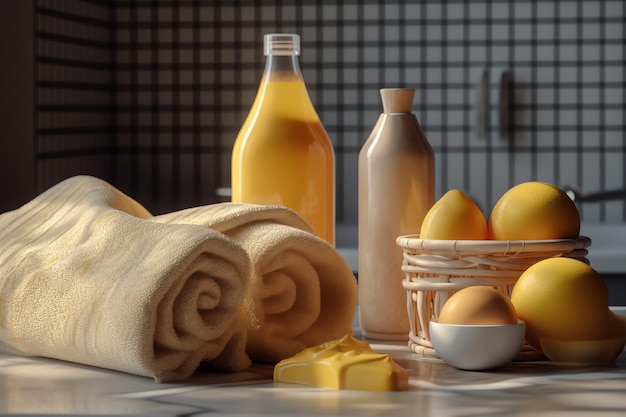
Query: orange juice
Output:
(283,155)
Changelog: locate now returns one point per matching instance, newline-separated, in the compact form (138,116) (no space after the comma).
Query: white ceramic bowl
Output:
(475,347)
(621,310)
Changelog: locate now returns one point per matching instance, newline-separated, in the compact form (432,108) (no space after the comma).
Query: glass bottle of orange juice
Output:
(282,154)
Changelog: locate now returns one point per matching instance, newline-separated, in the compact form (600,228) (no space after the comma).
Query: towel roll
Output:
(301,292)
(84,277)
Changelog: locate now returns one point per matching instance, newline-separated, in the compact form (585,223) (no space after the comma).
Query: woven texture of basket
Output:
(436,269)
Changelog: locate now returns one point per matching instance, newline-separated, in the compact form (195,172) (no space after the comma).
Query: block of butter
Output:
(346,363)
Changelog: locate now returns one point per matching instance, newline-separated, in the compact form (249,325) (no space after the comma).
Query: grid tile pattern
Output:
(185,74)
(75,90)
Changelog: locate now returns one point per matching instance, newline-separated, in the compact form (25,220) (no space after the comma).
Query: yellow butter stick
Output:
(346,363)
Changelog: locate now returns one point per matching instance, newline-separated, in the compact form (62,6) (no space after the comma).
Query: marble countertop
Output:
(41,386)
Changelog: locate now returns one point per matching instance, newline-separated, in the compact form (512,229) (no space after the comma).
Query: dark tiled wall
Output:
(161,88)
(75,90)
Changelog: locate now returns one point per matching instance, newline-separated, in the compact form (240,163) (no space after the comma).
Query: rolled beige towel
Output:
(301,293)
(85,278)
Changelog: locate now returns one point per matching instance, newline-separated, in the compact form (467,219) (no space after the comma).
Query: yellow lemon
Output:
(564,301)
(534,210)
(454,217)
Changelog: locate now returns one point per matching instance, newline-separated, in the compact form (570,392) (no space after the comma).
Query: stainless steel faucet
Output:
(573,191)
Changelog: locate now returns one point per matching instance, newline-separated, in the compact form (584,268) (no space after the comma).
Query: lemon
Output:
(564,300)
(534,210)
(454,217)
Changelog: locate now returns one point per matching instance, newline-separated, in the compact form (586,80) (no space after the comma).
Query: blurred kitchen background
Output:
(150,95)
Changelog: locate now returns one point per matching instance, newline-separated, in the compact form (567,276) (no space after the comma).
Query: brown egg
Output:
(478,305)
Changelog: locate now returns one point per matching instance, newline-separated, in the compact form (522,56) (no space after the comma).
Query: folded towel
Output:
(85,278)
(301,292)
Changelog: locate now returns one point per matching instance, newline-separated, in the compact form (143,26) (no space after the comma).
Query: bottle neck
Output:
(282,68)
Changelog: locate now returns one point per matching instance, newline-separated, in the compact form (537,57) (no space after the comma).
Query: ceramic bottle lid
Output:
(397,100)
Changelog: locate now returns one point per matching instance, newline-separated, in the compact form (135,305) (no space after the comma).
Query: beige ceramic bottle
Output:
(396,190)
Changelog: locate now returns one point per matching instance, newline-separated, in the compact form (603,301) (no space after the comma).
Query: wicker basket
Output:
(436,269)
